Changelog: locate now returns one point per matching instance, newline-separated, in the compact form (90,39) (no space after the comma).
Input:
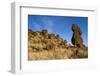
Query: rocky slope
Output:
(43,45)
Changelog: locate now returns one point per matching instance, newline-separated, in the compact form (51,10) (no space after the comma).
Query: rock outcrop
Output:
(43,45)
(76,38)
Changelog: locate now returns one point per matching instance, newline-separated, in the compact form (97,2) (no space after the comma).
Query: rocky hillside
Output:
(43,45)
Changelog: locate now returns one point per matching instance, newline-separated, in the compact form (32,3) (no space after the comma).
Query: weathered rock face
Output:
(44,45)
(76,38)
(43,39)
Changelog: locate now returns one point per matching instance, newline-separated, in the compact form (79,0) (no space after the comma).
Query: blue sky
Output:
(59,25)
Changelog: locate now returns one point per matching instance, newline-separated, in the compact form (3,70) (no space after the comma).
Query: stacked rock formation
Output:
(76,38)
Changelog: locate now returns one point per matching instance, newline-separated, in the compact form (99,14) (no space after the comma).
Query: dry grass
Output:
(57,54)
(49,55)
